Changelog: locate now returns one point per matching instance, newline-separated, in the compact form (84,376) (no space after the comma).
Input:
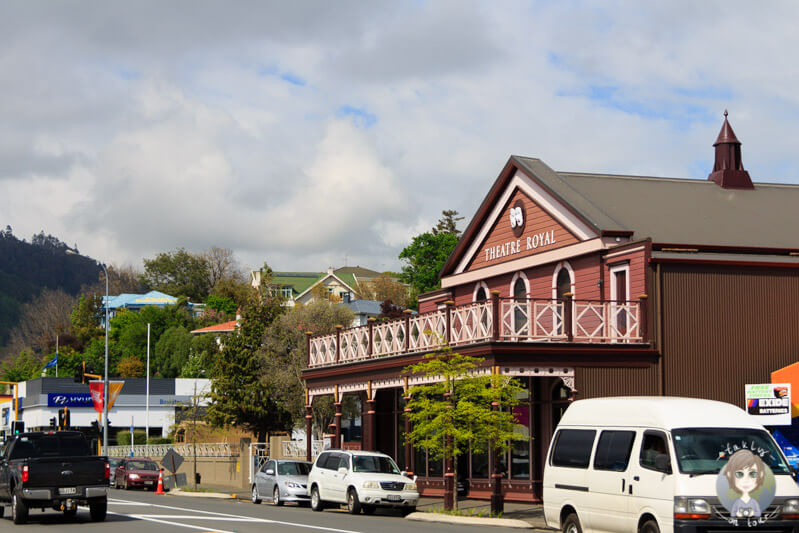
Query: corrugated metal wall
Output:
(725,327)
(597,382)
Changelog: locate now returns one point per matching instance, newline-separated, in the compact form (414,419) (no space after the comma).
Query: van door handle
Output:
(631,488)
(636,478)
(622,485)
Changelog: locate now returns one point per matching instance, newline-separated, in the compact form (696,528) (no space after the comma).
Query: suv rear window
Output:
(573,448)
(328,461)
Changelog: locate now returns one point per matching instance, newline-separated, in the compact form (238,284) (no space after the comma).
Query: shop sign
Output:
(73,399)
(769,403)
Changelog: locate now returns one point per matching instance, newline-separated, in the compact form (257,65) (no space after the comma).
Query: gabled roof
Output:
(665,210)
(301,282)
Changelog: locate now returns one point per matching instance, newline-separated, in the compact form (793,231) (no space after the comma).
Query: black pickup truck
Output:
(52,469)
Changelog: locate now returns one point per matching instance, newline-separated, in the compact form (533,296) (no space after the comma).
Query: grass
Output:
(189,488)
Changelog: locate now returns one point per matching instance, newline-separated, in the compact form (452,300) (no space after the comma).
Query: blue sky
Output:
(301,133)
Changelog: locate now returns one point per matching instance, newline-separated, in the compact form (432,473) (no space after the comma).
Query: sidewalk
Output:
(530,513)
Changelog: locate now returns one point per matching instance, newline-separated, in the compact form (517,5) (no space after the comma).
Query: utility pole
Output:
(194,432)
(147,394)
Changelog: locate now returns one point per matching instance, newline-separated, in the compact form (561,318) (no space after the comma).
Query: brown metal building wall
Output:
(724,327)
(597,382)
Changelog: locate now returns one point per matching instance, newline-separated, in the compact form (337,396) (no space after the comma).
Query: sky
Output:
(316,134)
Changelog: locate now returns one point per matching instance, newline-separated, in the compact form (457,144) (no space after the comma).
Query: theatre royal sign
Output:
(531,242)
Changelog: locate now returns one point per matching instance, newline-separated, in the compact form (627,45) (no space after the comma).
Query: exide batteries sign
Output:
(770,403)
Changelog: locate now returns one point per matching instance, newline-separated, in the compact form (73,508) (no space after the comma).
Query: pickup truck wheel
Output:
(19,511)
(2,510)
(316,501)
(70,513)
(353,503)
(97,509)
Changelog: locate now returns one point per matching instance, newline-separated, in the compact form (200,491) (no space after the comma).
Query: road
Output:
(133,512)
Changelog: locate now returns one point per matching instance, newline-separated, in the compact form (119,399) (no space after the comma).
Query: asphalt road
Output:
(138,512)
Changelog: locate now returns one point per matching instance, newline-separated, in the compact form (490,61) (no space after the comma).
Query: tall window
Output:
(521,311)
(564,283)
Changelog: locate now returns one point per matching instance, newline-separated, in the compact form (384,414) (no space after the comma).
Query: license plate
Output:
(148,482)
(67,490)
(394,498)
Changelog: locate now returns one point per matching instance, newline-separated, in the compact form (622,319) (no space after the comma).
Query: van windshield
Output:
(707,450)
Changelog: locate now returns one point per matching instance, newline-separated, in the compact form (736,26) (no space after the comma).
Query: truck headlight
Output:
(410,486)
(691,508)
(371,485)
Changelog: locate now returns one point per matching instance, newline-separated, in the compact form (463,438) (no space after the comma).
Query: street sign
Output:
(172,460)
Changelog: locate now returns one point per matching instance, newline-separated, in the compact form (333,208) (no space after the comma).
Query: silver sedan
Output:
(283,480)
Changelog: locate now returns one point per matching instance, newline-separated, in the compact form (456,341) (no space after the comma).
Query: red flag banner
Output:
(96,390)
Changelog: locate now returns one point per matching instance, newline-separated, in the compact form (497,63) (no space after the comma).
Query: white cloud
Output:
(133,131)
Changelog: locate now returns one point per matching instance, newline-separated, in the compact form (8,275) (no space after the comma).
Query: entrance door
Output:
(619,294)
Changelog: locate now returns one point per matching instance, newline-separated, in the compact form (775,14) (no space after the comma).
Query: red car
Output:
(136,472)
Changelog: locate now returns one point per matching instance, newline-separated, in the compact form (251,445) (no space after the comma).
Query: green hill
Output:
(28,267)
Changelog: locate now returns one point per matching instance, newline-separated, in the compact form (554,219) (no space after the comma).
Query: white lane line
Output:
(192,517)
(223,517)
(178,524)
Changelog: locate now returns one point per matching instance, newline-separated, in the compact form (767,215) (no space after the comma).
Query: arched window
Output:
(522,309)
(563,283)
(480,293)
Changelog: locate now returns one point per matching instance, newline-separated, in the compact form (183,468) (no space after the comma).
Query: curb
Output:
(468,520)
(218,495)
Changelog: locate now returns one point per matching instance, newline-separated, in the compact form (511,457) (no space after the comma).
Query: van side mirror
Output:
(662,463)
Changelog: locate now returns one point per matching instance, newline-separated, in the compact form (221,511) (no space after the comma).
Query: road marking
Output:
(223,517)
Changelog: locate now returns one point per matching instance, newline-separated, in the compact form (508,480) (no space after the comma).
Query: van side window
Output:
(613,450)
(573,448)
(655,445)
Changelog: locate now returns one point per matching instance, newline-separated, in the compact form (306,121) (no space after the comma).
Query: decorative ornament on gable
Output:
(517,218)
(728,169)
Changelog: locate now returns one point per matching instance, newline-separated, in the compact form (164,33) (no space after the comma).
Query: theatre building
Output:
(586,285)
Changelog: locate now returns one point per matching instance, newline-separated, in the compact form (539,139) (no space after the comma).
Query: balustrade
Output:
(513,320)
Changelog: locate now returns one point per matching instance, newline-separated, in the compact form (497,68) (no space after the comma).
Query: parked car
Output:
(284,480)
(136,472)
(54,469)
(113,462)
(655,464)
(362,480)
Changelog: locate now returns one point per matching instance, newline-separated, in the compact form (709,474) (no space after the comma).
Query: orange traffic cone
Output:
(160,488)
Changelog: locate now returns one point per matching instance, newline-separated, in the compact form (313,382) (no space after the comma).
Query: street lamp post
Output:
(105,372)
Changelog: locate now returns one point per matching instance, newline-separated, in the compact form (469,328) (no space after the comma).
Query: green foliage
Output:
(221,303)
(424,258)
(239,396)
(172,352)
(130,367)
(455,413)
(123,437)
(448,223)
(286,350)
(178,273)
(23,367)
(159,440)
(85,318)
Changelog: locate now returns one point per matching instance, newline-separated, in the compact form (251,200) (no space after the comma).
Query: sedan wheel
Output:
(276,497)
(255,498)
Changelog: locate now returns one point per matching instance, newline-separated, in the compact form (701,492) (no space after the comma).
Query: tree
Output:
(172,351)
(85,318)
(384,287)
(41,319)
(179,273)
(448,223)
(238,395)
(454,413)
(424,258)
(222,265)
(286,353)
(130,367)
(23,367)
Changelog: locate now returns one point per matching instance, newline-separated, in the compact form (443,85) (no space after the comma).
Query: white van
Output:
(651,464)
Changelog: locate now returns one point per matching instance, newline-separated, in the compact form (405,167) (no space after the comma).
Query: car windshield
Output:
(707,450)
(114,462)
(292,469)
(141,465)
(374,463)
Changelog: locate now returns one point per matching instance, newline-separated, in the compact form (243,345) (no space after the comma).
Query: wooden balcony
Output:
(495,320)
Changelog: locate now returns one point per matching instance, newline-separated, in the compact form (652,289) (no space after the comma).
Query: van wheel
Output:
(316,501)
(572,524)
(650,526)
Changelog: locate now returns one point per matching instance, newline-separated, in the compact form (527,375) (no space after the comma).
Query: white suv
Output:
(362,480)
